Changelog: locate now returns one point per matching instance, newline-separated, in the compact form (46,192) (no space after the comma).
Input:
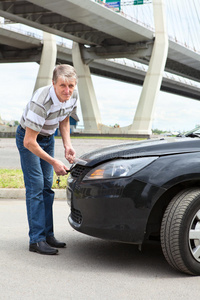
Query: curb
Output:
(20,194)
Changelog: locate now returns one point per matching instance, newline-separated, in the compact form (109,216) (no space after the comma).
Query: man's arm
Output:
(64,127)
(31,144)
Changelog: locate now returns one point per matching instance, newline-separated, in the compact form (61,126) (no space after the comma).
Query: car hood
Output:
(151,147)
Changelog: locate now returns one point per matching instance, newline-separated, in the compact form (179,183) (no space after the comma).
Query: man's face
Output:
(64,89)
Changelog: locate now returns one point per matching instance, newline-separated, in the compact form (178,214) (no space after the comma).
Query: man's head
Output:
(64,81)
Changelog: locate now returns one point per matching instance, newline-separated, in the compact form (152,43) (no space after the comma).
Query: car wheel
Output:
(180,232)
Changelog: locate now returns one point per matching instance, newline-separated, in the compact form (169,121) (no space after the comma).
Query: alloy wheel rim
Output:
(194,236)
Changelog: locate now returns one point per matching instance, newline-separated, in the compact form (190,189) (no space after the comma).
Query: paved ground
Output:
(89,268)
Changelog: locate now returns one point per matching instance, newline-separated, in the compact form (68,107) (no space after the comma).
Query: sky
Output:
(117,100)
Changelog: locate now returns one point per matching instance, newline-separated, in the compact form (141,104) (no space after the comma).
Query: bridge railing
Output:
(39,35)
(143,15)
(142,67)
(127,16)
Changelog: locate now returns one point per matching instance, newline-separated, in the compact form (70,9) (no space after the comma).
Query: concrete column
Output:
(47,62)
(89,105)
(142,122)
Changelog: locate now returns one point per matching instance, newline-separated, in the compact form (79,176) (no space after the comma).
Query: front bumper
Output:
(116,210)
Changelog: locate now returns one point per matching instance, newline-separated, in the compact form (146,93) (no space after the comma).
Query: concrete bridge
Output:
(100,33)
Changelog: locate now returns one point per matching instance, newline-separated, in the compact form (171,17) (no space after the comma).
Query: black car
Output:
(139,191)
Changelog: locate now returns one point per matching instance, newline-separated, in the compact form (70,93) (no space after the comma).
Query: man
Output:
(49,108)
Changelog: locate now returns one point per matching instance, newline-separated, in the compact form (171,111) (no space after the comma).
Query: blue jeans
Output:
(38,179)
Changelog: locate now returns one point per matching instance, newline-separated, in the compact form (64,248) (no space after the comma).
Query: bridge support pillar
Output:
(145,110)
(47,61)
(88,101)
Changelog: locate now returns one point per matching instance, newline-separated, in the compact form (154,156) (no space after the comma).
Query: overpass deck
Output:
(105,32)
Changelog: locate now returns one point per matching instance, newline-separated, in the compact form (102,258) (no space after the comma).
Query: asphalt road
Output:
(9,156)
(89,268)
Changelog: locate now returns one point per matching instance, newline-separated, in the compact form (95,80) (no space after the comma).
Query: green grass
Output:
(13,178)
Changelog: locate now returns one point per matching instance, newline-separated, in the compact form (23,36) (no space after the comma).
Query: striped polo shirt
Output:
(44,111)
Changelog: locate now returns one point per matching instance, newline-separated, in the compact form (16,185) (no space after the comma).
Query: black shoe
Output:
(42,248)
(51,240)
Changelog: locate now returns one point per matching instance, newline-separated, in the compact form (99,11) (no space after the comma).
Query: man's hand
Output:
(70,154)
(59,168)
(64,127)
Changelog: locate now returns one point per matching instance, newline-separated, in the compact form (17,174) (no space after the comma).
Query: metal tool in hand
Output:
(76,160)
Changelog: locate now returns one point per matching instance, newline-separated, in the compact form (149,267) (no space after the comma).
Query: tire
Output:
(180,232)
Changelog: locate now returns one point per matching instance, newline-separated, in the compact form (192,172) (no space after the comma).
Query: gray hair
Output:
(66,72)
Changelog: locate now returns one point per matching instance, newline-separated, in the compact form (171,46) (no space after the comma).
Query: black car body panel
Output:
(142,149)
(115,216)
(130,209)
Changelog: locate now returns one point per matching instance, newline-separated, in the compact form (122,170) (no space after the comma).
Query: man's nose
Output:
(67,89)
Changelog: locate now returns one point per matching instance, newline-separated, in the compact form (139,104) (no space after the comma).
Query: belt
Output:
(40,137)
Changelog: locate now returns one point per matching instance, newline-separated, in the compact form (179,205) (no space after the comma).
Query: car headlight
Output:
(119,168)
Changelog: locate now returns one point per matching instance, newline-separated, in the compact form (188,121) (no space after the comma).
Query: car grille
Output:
(76,215)
(77,171)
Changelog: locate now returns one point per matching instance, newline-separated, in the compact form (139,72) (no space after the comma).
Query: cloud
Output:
(16,86)
(177,113)
(117,100)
